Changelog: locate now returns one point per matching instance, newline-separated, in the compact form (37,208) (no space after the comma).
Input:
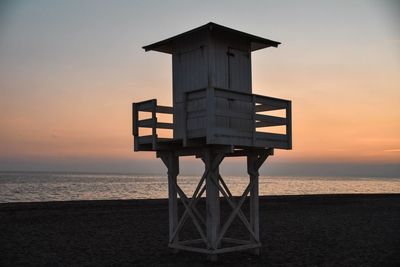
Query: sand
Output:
(320,230)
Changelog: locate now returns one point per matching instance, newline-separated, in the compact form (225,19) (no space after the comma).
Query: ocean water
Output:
(33,187)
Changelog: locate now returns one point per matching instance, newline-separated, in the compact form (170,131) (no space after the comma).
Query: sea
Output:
(47,186)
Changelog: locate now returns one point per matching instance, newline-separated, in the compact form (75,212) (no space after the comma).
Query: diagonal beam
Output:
(171,171)
(191,214)
(260,160)
(195,193)
(235,211)
(240,212)
(189,208)
(225,186)
(185,215)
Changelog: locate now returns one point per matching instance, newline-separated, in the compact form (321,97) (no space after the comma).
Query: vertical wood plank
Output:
(211,60)
(239,62)
(135,114)
(173,171)
(289,124)
(154,118)
(253,118)
(184,122)
(254,204)
(210,102)
(212,200)
(135,127)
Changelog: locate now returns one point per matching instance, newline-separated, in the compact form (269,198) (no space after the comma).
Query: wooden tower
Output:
(215,115)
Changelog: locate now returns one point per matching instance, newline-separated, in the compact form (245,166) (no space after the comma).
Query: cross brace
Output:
(211,231)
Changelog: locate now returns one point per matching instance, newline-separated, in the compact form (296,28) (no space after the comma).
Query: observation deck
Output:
(215,116)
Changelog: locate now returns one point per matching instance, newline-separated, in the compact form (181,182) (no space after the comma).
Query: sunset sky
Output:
(69,71)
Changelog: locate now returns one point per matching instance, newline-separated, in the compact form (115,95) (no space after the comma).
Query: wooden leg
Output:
(212,199)
(172,163)
(254,163)
(254,213)
(214,184)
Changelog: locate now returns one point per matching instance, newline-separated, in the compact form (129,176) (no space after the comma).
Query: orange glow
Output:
(71,95)
(336,117)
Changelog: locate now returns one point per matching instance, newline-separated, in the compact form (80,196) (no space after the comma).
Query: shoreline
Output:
(159,201)
(344,229)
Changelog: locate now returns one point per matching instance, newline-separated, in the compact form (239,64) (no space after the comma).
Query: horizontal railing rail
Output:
(153,123)
(237,110)
(220,116)
(265,103)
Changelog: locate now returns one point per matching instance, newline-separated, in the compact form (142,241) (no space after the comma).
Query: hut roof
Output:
(166,46)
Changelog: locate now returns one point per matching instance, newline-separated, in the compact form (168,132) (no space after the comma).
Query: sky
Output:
(69,71)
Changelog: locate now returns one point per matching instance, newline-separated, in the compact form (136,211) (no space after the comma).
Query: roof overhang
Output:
(166,46)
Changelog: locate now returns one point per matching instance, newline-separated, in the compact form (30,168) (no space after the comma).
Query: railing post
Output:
(210,104)
(135,126)
(253,117)
(289,124)
(154,122)
(184,137)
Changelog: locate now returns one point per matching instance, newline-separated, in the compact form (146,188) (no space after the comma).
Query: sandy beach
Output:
(318,230)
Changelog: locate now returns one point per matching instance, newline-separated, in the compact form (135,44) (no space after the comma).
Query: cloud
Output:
(392,150)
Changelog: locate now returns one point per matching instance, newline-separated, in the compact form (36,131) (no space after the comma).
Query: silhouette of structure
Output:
(215,115)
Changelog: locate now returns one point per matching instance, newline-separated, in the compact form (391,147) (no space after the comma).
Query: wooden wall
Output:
(229,118)
(231,60)
(217,60)
(190,72)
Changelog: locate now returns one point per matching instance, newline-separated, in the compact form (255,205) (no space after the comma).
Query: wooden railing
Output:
(149,106)
(265,103)
(218,116)
(229,117)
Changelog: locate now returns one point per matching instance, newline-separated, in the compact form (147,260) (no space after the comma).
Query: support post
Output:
(171,161)
(289,124)
(254,205)
(254,162)
(213,237)
(212,161)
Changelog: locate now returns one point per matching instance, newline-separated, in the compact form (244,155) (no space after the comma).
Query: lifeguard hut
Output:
(215,115)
